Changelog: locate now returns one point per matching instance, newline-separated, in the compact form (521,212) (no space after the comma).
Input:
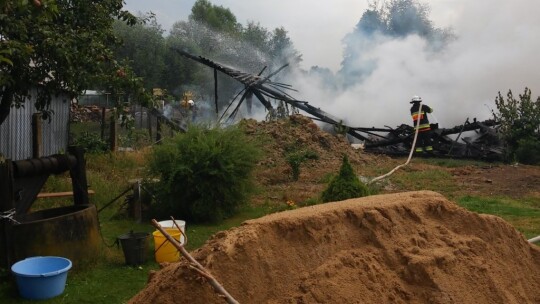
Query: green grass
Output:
(524,214)
(111,281)
(453,163)
(429,179)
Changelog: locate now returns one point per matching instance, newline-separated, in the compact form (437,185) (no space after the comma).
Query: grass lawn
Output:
(109,280)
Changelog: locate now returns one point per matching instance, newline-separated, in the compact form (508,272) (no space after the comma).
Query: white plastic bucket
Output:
(170,224)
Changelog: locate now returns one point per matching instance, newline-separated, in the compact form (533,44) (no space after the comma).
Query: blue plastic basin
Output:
(41,278)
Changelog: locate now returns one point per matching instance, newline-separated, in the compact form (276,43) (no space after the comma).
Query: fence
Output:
(21,138)
(159,124)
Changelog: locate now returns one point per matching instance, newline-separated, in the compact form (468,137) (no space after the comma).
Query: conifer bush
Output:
(345,185)
(204,174)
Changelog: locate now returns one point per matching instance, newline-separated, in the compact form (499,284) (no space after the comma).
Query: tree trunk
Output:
(5,104)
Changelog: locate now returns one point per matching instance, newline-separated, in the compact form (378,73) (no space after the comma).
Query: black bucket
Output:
(135,247)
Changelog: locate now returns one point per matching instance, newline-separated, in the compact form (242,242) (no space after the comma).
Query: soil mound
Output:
(296,135)
(414,247)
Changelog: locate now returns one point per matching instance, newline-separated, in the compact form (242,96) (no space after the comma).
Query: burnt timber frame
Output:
(372,137)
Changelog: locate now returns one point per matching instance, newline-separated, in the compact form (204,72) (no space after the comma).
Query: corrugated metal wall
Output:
(16,131)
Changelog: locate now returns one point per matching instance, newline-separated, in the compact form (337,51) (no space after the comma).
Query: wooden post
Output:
(37,135)
(78,177)
(6,203)
(103,122)
(137,203)
(149,123)
(158,130)
(141,116)
(216,90)
(114,132)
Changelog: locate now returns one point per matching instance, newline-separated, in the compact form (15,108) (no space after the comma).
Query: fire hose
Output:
(410,153)
(534,239)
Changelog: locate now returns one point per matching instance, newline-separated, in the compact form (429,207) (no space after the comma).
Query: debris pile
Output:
(414,247)
(85,113)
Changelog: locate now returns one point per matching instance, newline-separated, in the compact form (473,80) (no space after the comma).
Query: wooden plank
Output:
(60,194)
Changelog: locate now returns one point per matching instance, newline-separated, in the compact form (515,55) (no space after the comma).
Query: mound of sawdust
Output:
(414,247)
(297,134)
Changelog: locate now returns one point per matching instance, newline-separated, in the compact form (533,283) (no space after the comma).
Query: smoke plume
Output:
(495,49)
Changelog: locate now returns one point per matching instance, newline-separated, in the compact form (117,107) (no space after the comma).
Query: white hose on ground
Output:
(410,153)
(534,239)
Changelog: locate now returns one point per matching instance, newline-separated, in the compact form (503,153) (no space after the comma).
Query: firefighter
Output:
(424,140)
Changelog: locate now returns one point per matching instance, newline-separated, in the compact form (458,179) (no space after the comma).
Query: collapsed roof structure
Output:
(484,144)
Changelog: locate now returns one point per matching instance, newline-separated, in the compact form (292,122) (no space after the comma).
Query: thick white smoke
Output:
(496,50)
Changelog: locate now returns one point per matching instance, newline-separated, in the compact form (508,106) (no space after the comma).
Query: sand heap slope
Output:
(414,247)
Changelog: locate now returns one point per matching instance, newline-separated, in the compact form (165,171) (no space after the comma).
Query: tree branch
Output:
(218,288)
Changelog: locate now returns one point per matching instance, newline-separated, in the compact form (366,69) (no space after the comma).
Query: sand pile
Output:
(414,247)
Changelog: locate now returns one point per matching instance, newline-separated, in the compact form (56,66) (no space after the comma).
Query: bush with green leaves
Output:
(91,143)
(296,158)
(528,151)
(205,174)
(519,124)
(345,185)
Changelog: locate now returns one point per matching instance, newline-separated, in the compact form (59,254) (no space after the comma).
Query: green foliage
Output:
(519,124)
(91,143)
(528,151)
(204,173)
(61,45)
(296,158)
(216,17)
(143,45)
(135,138)
(341,129)
(345,185)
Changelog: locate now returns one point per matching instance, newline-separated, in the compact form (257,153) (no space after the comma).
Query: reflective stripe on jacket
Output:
(416,114)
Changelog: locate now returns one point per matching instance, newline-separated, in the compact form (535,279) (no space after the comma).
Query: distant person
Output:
(424,141)
(192,109)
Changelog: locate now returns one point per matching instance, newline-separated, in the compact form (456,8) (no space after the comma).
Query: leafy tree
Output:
(405,17)
(282,49)
(143,45)
(371,22)
(216,17)
(204,173)
(345,185)
(519,124)
(56,46)
(256,35)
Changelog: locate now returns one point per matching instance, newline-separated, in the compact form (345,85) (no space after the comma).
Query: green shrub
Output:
(528,151)
(91,143)
(204,173)
(519,121)
(345,185)
(296,158)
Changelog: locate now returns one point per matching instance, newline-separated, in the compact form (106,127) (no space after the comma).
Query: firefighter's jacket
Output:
(416,114)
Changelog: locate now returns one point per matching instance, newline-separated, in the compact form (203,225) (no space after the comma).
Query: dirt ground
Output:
(274,174)
(515,181)
(407,247)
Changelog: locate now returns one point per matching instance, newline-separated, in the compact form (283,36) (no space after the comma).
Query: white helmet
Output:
(191,102)
(416,98)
